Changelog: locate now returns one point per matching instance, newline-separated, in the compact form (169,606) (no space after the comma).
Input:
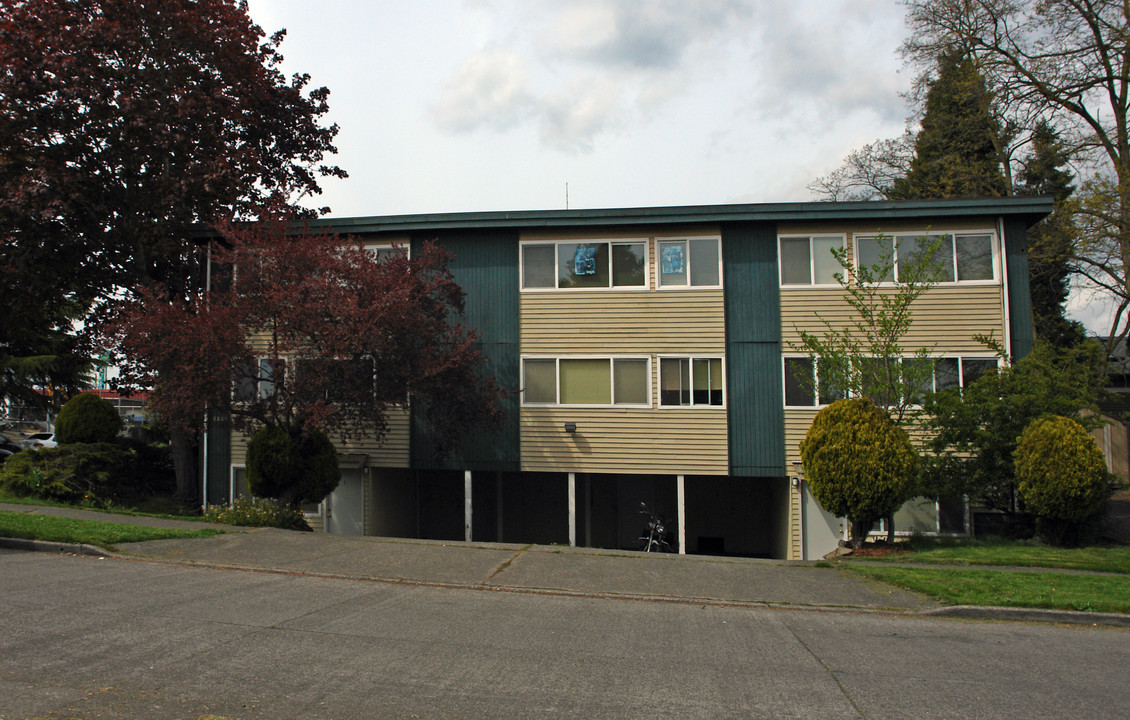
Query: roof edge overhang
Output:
(1030,209)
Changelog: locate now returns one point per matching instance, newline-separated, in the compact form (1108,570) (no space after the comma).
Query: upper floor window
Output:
(961,257)
(690,381)
(256,379)
(585,265)
(806,385)
(586,381)
(690,262)
(381,251)
(808,260)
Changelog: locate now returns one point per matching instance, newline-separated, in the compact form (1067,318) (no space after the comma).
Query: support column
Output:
(681,498)
(572,509)
(467,505)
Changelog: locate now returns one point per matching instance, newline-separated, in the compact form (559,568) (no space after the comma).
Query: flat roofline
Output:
(1030,209)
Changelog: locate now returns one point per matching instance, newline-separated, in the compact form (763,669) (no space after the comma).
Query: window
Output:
(382,251)
(585,265)
(687,381)
(805,386)
(692,262)
(586,381)
(345,381)
(809,260)
(962,257)
(256,379)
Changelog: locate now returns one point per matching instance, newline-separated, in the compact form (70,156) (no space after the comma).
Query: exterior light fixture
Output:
(570,427)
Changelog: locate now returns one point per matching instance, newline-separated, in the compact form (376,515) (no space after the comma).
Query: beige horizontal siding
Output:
(614,322)
(947,317)
(390,451)
(615,440)
(797,423)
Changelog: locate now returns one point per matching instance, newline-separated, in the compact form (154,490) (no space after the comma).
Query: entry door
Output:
(345,510)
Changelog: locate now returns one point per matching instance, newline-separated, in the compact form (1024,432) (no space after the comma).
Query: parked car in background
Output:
(5,454)
(40,440)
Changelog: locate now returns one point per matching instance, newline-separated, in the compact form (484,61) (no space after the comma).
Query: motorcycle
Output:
(655,536)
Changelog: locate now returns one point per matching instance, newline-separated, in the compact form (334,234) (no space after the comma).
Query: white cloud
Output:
(490,89)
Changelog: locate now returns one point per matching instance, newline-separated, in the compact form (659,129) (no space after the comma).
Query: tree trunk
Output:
(184,463)
(891,529)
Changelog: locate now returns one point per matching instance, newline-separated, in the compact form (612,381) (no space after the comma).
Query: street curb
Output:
(989,612)
(50,546)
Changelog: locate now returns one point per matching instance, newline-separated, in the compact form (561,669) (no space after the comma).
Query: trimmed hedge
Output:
(87,418)
(96,474)
(858,463)
(292,468)
(1061,475)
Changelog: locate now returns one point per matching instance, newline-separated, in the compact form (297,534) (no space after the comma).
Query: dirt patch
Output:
(879,550)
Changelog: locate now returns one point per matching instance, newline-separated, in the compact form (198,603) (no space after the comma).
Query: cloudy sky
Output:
(468,105)
(463,105)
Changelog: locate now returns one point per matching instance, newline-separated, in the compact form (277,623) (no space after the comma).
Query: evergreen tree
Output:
(1051,240)
(957,152)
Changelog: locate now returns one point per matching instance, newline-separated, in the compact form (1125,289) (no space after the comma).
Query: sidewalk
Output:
(541,569)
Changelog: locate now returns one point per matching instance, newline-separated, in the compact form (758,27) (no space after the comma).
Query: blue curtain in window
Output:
(673,260)
(584,260)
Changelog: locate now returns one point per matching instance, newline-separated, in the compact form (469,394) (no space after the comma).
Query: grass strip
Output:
(1053,591)
(1095,559)
(106,535)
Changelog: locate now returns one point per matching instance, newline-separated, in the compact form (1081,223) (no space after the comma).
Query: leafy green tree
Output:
(1062,477)
(958,150)
(858,463)
(974,429)
(1051,240)
(868,357)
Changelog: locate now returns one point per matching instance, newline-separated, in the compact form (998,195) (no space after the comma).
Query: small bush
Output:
(259,512)
(858,463)
(87,418)
(292,468)
(1062,477)
(95,474)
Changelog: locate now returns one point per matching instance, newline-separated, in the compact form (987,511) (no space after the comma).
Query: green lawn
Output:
(1018,554)
(93,532)
(1059,591)
(144,507)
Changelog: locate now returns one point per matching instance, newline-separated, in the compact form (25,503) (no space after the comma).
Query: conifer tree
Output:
(1051,240)
(957,151)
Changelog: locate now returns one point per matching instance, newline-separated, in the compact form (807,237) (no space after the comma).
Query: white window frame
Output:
(819,402)
(686,239)
(611,380)
(994,241)
(691,359)
(811,259)
(585,241)
(259,381)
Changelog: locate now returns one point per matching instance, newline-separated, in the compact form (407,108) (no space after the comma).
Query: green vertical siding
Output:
(1020,324)
(485,265)
(755,388)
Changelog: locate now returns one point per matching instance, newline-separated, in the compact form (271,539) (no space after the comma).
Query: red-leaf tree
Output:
(124,123)
(312,332)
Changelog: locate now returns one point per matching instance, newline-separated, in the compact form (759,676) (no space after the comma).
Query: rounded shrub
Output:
(858,463)
(1061,475)
(291,467)
(87,418)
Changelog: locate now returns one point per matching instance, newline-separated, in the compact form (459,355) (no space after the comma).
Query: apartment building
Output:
(653,355)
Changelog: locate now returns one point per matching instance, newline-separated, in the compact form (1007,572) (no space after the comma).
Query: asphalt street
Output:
(148,636)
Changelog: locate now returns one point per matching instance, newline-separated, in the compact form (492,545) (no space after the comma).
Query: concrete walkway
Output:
(535,569)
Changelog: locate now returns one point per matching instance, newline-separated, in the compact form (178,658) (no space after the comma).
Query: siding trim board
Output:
(753,349)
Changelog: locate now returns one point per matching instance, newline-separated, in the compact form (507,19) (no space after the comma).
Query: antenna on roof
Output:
(566,194)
